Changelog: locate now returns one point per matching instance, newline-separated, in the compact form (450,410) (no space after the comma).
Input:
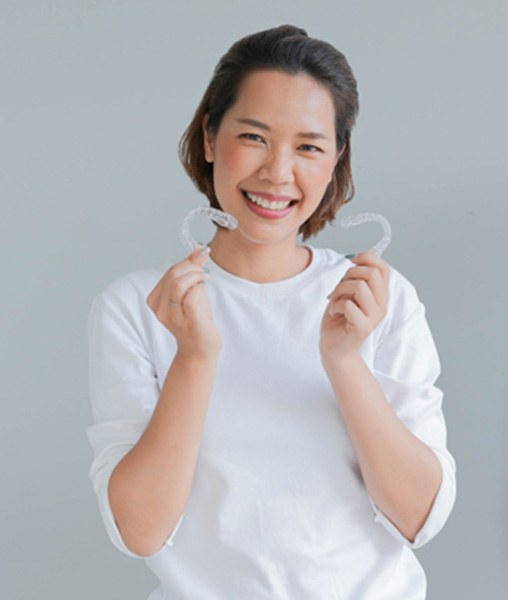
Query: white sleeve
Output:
(123,389)
(407,366)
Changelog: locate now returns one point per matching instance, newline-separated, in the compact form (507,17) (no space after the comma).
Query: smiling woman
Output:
(262,172)
(284,51)
(275,433)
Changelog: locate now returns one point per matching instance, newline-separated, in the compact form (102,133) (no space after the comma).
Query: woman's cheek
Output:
(320,173)
(230,155)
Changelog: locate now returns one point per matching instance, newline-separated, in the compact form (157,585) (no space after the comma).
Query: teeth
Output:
(266,203)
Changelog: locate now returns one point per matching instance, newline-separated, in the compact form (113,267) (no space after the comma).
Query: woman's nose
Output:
(278,168)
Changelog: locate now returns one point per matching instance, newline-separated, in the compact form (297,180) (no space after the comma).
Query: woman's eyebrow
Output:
(311,135)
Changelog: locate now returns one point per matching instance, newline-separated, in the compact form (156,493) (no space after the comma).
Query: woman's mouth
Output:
(264,203)
(269,209)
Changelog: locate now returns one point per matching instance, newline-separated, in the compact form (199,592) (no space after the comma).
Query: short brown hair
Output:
(289,49)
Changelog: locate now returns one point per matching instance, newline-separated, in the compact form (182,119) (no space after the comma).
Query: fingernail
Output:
(350,256)
(205,251)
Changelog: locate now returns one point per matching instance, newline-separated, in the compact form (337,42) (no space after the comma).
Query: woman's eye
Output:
(252,136)
(310,148)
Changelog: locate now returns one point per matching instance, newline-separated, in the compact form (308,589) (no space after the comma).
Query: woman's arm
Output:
(150,486)
(392,414)
(401,473)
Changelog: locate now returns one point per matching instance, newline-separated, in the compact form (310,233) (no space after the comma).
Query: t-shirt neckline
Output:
(270,288)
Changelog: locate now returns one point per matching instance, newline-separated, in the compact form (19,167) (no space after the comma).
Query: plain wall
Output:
(95,96)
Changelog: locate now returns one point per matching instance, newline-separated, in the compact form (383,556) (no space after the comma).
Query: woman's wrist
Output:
(198,357)
(344,363)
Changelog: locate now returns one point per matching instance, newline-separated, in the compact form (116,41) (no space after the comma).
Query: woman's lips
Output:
(266,212)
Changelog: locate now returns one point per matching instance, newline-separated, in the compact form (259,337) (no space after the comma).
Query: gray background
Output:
(95,96)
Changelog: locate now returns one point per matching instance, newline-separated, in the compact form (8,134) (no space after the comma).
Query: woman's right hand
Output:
(191,320)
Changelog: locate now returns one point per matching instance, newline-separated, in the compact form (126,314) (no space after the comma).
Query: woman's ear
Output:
(207,139)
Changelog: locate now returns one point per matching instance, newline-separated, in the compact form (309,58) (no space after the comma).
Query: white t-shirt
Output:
(278,508)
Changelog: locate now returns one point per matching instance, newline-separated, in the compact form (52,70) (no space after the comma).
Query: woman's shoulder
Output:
(404,303)
(129,291)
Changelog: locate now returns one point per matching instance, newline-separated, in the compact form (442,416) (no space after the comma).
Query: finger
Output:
(184,270)
(364,298)
(353,315)
(373,260)
(159,293)
(191,305)
(200,254)
(179,288)
(359,292)
(370,275)
(197,257)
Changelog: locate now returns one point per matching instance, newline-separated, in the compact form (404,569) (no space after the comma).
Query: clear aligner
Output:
(217,216)
(358,219)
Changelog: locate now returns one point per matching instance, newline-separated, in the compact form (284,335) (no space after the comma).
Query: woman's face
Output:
(276,144)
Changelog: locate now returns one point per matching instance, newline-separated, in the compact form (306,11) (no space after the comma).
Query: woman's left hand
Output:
(358,304)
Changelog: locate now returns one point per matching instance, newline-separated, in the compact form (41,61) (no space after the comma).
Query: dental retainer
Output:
(214,214)
(358,219)
(227,220)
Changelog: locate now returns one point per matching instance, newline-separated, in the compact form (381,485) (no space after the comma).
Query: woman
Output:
(275,433)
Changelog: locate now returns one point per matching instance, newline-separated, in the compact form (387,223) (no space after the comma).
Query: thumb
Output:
(200,254)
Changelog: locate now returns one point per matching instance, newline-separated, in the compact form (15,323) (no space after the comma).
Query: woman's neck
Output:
(260,263)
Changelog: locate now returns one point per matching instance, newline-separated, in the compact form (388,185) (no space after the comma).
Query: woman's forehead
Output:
(278,96)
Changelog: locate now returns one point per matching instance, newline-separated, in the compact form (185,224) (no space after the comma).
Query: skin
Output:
(150,486)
